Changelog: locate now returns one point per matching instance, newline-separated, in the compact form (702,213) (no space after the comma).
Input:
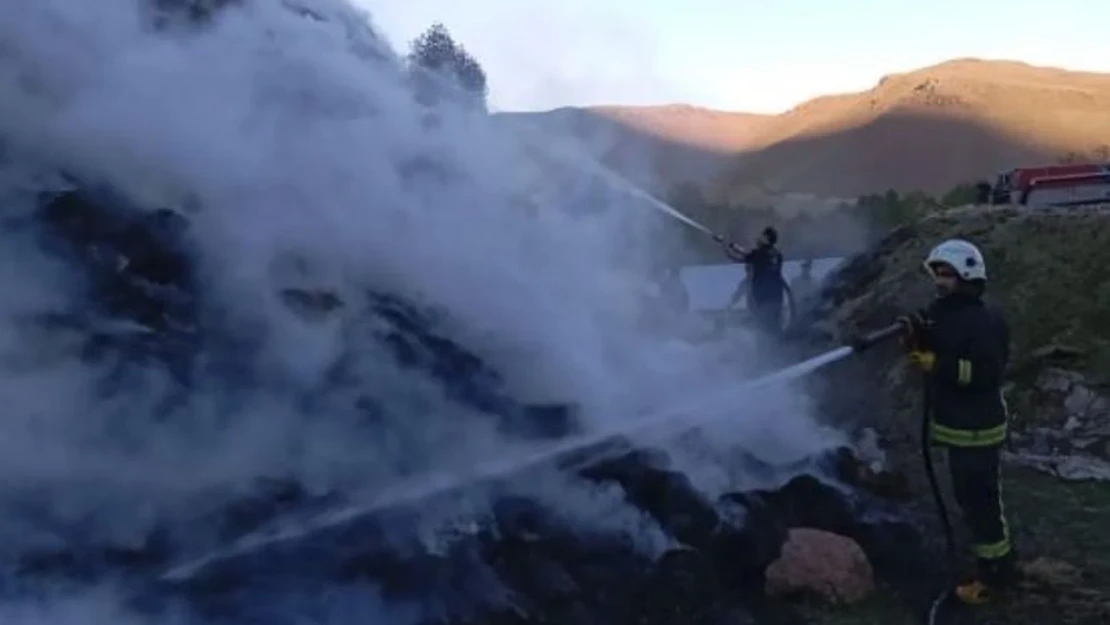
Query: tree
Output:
(891,209)
(166,13)
(964,194)
(1071,158)
(441,66)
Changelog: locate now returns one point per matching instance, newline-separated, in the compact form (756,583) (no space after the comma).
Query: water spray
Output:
(593,165)
(626,185)
(618,181)
(602,444)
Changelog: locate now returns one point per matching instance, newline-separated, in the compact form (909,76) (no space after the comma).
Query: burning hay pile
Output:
(729,560)
(823,528)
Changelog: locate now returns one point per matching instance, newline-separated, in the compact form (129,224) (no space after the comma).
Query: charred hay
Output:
(137,266)
(526,563)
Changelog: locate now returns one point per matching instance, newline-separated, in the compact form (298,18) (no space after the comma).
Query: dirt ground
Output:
(1062,530)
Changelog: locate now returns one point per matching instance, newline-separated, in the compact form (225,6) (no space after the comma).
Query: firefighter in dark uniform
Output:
(766,286)
(963,347)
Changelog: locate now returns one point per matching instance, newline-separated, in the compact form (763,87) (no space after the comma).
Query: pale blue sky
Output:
(739,54)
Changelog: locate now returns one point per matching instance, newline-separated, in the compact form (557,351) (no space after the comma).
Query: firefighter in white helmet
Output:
(963,347)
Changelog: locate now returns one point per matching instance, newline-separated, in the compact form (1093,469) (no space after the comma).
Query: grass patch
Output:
(1063,522)
(881,608)
(1047,275)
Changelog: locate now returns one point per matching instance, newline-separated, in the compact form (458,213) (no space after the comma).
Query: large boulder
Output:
(829,565)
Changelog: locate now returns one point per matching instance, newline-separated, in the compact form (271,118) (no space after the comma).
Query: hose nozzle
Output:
(865,341)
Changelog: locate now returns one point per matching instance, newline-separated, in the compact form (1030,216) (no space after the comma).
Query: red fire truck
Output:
(1054,185)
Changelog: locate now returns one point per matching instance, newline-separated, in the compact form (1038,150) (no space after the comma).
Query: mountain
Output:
(927,129)
(653,146)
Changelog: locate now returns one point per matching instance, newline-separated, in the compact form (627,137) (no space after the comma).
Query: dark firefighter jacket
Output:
(765,279)
(972,346)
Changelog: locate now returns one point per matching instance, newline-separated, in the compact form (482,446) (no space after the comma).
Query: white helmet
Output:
(963,256)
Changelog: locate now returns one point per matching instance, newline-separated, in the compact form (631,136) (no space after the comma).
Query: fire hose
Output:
(862,343)
(938,499)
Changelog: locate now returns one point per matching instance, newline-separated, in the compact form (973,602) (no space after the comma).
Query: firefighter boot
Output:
(991,578)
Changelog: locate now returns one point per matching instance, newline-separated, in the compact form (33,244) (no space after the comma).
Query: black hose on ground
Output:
(862,343)
(938,498)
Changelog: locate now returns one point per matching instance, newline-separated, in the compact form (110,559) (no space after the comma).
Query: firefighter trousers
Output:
(977,486)
(768,315)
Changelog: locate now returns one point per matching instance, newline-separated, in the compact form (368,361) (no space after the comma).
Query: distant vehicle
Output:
(1053,185)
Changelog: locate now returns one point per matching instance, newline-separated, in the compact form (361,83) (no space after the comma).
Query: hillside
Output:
(928,129)
(717,131)
(1054,294)
(654,146)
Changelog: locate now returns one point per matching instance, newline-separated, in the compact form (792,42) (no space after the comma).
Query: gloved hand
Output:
(916,321)
(916,326)
(923,360)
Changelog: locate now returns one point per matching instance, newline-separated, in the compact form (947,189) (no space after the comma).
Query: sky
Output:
(741,55)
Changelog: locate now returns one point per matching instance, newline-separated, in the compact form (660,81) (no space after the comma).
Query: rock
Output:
(1051,572)
(1056,351)
(1075,467)
(1075,442)
(1059,380)
(1071,391)
(832,566)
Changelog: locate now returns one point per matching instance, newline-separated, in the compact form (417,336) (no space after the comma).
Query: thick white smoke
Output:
(297,137)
